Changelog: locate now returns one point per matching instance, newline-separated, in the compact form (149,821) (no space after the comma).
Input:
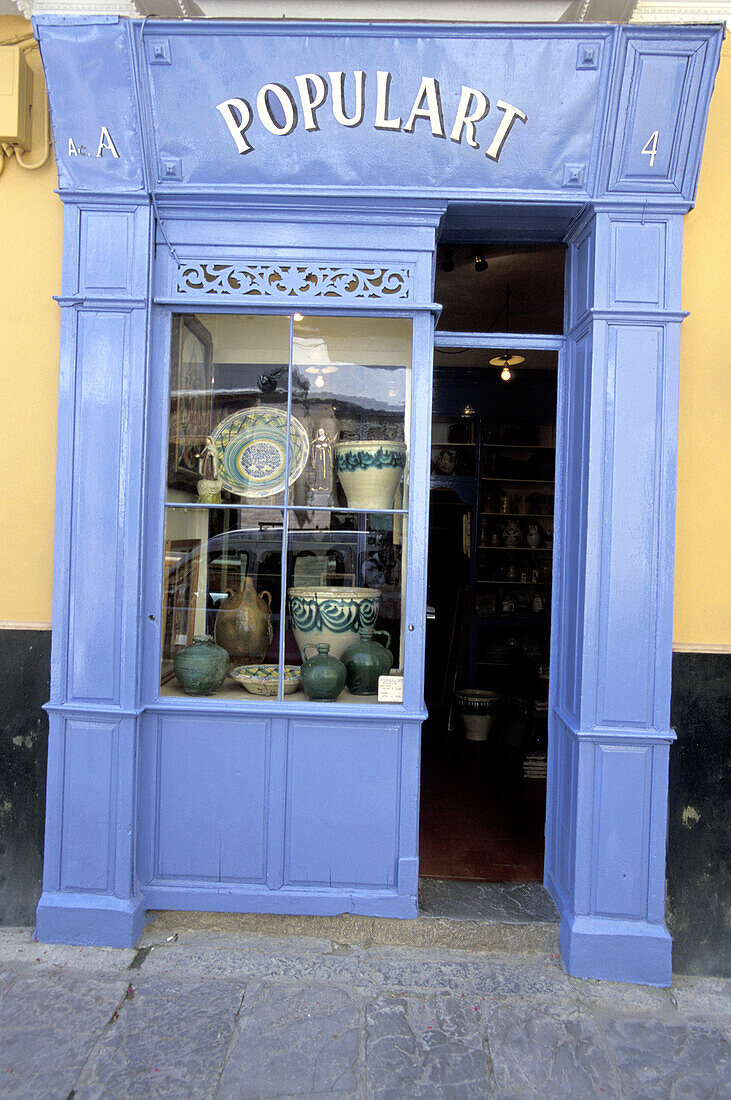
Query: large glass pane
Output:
(345,589)
(221,580)
(347,569)
(351,378)
(228,408)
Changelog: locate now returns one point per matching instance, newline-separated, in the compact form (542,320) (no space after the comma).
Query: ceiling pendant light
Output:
(507,359)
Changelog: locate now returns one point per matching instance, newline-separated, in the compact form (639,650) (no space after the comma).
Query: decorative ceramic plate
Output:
(251,447)
(264,679)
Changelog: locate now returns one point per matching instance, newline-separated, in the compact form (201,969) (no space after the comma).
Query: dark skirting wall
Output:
(699,821)
(25,661)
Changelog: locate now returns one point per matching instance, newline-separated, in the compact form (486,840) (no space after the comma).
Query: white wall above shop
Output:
(461,11)
(457,11)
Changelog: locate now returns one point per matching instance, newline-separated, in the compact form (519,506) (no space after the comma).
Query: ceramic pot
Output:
(366,661)
(446,461)
(534,536)
(209,490)
(477,709)
(201,667)
(244,624)
(332,615)
(322,676)
(370,471)
(512,535)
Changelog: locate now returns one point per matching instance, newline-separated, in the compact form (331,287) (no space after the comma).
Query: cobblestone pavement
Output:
(199,1013)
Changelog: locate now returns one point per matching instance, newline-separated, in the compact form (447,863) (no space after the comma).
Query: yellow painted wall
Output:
(30,228)
(30,273)
(703,528)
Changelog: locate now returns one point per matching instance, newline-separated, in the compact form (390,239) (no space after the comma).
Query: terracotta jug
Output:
(244,624)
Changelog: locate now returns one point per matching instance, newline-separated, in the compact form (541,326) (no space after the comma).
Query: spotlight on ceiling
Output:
(480,262)
(447,263)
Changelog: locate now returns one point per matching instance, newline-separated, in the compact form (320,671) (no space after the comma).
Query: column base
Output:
(98,920)
(617,950)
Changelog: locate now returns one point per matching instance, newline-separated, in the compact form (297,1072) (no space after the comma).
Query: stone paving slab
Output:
(657,1060)
(548,1052)
(49,1025)
(169,1040)
(253,957)
(539,976)
(291,1042)
(511,903)
(427,1047)
(17,945)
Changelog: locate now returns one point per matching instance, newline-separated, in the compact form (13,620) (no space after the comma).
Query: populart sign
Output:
(279,110)
(325,109)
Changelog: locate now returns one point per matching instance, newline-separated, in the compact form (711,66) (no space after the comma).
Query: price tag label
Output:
(390,689)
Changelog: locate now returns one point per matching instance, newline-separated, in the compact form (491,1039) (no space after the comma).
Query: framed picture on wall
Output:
(191,398)
(180,587)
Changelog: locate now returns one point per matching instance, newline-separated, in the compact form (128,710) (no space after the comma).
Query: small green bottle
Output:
(322,677)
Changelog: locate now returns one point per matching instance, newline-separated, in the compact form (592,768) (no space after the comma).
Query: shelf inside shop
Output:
(519,515)
(520,480)
(515,584)
(523,549)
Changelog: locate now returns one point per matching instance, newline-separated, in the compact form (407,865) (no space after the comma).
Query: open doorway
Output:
(490,565)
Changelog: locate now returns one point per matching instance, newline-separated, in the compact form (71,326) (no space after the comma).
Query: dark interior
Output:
(490,567)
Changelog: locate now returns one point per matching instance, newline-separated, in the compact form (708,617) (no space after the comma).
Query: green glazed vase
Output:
(322,677)
(201,667)
(365,661)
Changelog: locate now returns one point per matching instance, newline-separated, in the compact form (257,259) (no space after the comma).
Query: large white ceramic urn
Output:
(370,471)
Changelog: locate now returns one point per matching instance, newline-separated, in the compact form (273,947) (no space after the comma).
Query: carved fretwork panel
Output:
(262,280)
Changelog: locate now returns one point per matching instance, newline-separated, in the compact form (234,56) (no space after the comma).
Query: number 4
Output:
(650,147)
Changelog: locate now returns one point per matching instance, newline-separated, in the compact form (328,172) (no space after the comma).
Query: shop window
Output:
(286,507)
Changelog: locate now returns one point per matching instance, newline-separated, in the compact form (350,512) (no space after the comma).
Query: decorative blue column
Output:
(90,891)
(610,734)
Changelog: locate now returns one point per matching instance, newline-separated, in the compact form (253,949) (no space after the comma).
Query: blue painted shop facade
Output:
(259,176)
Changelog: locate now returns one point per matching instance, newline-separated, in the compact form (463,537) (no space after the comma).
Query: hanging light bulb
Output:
(319,381)
(505,374)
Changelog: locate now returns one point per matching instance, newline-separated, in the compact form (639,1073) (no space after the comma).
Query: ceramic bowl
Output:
(252,445)
(332,615)
(264,679)
(370,471)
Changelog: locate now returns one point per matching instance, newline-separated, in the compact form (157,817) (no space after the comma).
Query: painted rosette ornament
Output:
(332,616)
(370,471)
